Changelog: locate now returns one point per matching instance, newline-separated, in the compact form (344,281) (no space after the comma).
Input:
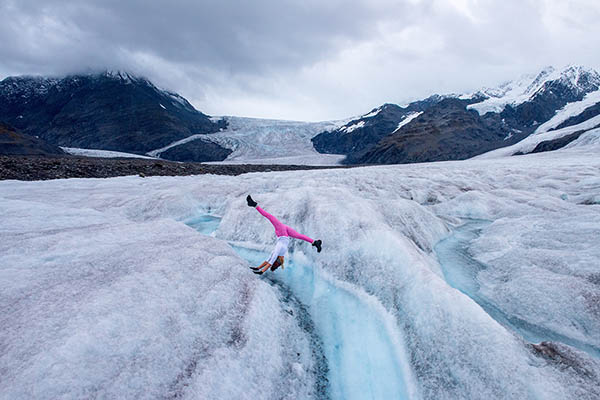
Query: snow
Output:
(589,139)
(407,120)
(512,92)
(124,76)
(372,113)
(530,142)
(570,110)
(101,153)
(178,100)
(105,292)
(353,127)
(525,88)
(264,141)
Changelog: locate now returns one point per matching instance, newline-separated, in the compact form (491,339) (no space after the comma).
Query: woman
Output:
(283,233)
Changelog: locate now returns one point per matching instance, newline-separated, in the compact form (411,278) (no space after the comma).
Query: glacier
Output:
(137,287)
(267,141)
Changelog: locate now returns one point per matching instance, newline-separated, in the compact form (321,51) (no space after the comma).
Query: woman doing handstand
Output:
(283,233)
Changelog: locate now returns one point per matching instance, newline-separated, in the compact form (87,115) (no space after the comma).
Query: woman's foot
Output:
(317,244)
(251,203)
(257,272)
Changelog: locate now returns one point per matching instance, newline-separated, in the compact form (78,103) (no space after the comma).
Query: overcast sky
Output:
(306,59)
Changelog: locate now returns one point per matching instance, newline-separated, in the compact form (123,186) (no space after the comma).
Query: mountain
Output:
(106,111)
(15,143)
(446,131)
(452,127)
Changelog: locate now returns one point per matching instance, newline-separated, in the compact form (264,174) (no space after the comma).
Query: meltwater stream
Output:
(362,345)
(460,271)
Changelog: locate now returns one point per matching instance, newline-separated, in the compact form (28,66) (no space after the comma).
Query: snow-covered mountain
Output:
(112,110)
(458,126)
(120,112)
(570,84)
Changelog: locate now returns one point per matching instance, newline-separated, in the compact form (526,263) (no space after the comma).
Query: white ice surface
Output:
(372,113)
(99,303)
(570,110)
(353,127)
(408,119)
(105,294)
(588,140)
(101,153)
(530,142)
(263,141)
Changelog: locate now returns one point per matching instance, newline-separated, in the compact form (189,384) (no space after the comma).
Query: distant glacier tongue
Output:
(364,358)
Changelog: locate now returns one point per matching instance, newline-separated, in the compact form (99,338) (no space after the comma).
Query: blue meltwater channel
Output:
(362,343)
(460,270)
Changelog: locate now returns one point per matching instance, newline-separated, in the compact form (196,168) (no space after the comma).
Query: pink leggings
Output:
(282,229)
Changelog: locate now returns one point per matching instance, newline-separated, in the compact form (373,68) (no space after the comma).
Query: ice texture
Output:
(570,110)
(95,305)
(265,141)
(101,153)
(528,144)
(360,339)
(106,293)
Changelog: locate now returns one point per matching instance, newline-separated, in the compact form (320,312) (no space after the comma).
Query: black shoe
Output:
(317,244)
(251,203)
(254,268)
(257,272)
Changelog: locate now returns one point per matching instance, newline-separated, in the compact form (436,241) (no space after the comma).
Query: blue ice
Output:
(363,360)
(460,271)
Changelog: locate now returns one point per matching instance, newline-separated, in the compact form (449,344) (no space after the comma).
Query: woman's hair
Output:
(278,263)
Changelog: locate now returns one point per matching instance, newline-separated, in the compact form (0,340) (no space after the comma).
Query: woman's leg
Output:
(294,234)
(279,227)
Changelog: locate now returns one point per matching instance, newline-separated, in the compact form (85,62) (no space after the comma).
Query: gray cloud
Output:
(300,59)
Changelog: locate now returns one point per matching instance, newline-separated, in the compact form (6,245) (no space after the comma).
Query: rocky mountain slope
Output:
(106,111)
(15,143)
(454,127)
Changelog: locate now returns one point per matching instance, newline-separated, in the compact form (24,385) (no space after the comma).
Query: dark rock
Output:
(567,357)
(446,131)
(106,111)
(555,144)
(198,150)
(588,113)
(373,129)
(362,133)
(15,143)
(42,168)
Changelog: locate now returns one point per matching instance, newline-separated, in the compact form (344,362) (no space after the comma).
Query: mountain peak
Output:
(579,80)
(123,76)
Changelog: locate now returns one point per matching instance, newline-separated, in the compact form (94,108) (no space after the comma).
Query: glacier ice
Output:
(264,141)
(105,291)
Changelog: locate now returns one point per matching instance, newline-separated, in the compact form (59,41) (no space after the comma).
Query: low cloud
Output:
(307,59)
